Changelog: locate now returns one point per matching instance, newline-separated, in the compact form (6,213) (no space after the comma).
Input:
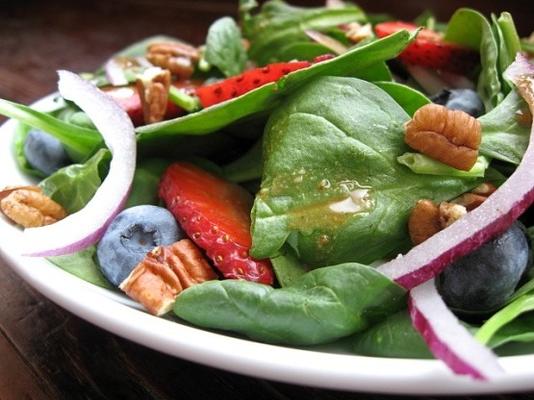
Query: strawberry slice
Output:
(430,50)
(215,214)
(247,81)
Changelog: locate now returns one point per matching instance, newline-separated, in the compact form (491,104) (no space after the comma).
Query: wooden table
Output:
(45,351)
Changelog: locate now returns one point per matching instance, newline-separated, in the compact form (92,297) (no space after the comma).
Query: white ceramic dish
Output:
(323,369)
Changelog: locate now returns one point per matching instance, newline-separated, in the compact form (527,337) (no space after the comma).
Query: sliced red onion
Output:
(493,217)
(85,227)
(446,338)
(328,42)
(115,72)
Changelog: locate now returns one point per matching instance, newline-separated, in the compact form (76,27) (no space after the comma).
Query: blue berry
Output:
(460,99)
(131,235)
(44,152)
(485,279)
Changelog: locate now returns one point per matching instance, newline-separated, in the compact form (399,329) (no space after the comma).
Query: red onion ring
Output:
(85,227)
(446,338)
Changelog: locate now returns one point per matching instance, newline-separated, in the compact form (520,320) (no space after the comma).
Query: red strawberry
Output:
(247,81)
(430,50)
(215,214)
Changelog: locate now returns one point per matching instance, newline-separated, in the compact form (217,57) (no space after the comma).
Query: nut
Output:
(29,207)
(476,197)
(427,219)
(424,221)
(164,273)
(153,87)
(176,57)
(449,213)
(356,32)
(449,136)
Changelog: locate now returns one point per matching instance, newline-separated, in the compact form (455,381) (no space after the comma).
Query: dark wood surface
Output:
(49,353)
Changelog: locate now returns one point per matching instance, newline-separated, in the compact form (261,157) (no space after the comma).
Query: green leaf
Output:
(303,50)
(393,337)
(224,47)
(146,181)
(331,178)
(279,24)
(470,28)
(183,100)
(82,265)
(408,98)
(366,61)
(75,185)
(246,168)
(319,307)
(19,138)
(288,267)
(510,43)
(504,137)
(508,324)
(80,141)
(421,164)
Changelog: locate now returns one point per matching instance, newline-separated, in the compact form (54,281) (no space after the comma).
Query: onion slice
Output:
(335,45)
(85,227)
(446,338)
(493,217)
(115,72)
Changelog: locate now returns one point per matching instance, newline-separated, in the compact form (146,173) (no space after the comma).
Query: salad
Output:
(306,175)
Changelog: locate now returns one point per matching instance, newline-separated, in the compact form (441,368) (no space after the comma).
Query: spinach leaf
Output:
(301,51)
(82,265)
(366,62)
(392,337)
(321,306)
(287,267)
(421,164)
(19,138)
(247,167)
(332,187)
(470,28)
(146,181)
(278,25)
(73,186)
(504,136)
(79,141)
(224,47)
(509,44)
(408,98)
(509,324)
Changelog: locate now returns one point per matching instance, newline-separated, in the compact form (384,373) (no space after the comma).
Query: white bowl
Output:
(326,368)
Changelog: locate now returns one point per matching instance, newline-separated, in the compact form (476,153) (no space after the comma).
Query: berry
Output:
(44,152)
(215,214)
(247,81)
(466,100)
(485,279)
(131,235)
(430,50)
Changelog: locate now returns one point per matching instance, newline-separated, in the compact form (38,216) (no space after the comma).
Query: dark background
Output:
(48,353)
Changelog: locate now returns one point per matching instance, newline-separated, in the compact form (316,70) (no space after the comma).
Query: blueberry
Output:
(460,99)
(44,152)
(132,234)
(485,279)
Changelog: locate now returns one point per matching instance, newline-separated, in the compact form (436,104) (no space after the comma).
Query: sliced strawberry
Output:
(430,50)
(247,81)
(215,214)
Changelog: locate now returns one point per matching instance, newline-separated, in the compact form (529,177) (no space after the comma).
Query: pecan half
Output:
(476,197)
(356,32)
(427,218)
(153,87)
(179,58)
(164,273)
(424,221)
(29,207)
(449,136)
